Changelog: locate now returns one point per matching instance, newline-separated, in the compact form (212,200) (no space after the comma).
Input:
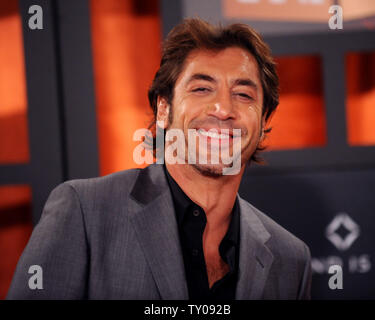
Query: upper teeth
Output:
(212,134)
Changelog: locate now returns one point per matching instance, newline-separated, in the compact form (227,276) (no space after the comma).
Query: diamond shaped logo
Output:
(342,221)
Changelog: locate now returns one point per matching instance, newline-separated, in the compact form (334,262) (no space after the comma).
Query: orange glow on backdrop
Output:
(13,107)
(299,120)
(360,99)
(126,51)
(15,213)
(15,230)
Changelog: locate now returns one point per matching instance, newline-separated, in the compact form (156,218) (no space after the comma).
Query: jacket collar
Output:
(154,220)
(255,257)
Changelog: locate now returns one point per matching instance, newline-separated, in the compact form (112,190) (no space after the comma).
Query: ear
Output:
(162,111)
(263,127)
(266,124)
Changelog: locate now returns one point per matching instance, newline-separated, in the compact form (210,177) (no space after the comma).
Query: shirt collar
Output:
(182,202)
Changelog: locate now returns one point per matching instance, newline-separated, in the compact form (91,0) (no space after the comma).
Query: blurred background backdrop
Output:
(73,93)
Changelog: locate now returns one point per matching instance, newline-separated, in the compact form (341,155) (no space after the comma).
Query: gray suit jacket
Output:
(116,237)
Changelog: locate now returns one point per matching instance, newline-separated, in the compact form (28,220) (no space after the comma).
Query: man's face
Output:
(217,91)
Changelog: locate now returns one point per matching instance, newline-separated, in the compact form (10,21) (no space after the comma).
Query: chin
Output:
(214,171)
(211,170)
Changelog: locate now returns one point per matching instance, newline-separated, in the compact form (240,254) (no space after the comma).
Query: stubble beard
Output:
(208,170)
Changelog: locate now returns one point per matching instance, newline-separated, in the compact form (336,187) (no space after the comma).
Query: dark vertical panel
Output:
(171,14)
(334,94)
(44,120)
(74,43)
(61,104)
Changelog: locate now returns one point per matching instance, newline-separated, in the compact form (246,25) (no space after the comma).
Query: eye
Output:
(244,96)
(201,89)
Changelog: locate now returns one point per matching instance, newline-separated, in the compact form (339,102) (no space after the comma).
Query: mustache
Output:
(217,123)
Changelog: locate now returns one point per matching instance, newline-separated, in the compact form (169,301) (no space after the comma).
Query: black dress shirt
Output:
(191,220)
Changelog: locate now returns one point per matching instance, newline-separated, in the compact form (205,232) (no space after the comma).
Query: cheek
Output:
(185,113)
(254,110)
(253,121)
(178,115)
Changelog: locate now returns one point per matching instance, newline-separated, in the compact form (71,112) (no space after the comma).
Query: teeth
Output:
(214,135)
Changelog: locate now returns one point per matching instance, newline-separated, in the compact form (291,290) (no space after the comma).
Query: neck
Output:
(216,195)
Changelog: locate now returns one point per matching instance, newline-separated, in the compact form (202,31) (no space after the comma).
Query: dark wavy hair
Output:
(195,33)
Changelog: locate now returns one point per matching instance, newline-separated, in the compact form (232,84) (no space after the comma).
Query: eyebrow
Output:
(245,82)
(237,82)
(200,76)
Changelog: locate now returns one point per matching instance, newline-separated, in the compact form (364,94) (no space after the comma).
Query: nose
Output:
(222,108)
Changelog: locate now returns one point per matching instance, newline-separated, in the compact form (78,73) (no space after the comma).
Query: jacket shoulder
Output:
(281,240)
(113,185)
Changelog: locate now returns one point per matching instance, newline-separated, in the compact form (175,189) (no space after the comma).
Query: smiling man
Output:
(178,230)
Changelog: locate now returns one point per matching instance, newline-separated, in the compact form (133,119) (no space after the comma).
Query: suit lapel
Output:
(255,258)
(154,220)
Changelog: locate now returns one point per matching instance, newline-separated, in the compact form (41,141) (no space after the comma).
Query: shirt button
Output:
(194,252)
(196,213)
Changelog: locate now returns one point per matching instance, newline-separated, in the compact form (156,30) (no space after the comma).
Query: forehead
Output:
(231,62)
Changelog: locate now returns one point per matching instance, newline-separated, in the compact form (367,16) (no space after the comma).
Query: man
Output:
(179,230)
